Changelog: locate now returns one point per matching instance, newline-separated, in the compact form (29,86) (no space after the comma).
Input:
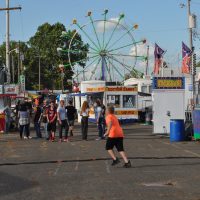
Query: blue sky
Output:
(161,21)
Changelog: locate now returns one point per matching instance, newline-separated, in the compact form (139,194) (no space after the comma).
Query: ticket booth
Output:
(168,102)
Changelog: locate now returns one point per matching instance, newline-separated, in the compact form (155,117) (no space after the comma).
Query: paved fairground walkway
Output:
(80,170)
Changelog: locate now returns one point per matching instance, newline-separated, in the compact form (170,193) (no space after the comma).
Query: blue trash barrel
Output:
(177,130)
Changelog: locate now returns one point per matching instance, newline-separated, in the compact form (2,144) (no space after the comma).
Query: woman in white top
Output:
(84,120)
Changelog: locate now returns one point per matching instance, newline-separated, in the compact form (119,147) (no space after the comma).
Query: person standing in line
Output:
(51,119)
(71,115)
(62,121)
(17,107)
(37,120)
(104,119)
(99,120)
(23,116)
(115,138)
(29,110)
(44,119)
(84,121)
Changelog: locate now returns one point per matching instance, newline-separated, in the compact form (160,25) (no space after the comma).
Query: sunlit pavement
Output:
(39,169)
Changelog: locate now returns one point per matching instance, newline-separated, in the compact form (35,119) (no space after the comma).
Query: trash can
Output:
(177,130)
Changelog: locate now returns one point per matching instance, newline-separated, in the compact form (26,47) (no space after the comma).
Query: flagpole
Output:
(162,69)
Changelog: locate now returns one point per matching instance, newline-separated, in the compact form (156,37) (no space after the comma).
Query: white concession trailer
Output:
(168,102)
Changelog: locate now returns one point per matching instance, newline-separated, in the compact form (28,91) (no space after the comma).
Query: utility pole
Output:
(39,71)
(7,9)
(18,65)
(190,29)
(13,69)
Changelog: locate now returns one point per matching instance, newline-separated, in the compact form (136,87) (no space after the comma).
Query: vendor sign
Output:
(120,89)
(97,89)
(10,89)
(112,89)
(168,83)
(126,112)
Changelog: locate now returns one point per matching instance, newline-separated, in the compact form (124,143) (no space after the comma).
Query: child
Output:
(115,138)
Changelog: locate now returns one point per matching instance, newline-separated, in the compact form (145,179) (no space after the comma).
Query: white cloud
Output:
(142,51)
(109,25)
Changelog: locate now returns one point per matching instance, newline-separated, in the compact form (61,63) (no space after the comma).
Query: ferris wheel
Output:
(112,49)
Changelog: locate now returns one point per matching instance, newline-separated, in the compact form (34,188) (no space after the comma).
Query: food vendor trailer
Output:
(123,98)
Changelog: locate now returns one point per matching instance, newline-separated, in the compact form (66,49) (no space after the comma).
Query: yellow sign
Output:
(126,112)
(169,83)
(100,89)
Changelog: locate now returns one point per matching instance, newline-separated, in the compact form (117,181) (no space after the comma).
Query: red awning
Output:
(8,95)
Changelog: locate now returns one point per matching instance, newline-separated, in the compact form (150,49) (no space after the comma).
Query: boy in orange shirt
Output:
(115,138)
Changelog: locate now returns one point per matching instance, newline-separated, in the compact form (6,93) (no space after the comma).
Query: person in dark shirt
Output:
(71,115)
(17,108)
(51,119)
(37,120)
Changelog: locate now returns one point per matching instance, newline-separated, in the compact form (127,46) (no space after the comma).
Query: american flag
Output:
(186,58)
(158,53)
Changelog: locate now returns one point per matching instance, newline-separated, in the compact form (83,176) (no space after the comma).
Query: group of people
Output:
(49,115)
(65,116)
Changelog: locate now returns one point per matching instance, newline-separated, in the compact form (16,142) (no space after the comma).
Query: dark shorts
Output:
(51,127)
(71,122)
(115,142)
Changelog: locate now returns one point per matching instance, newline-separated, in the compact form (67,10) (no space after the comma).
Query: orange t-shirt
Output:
(116,130)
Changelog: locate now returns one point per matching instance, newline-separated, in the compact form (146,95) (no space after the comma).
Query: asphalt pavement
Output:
(37,169)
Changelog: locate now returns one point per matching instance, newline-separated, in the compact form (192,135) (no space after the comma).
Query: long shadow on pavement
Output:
(11,184)
(92,160)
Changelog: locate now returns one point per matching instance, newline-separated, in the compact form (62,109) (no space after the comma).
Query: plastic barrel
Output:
(177,130)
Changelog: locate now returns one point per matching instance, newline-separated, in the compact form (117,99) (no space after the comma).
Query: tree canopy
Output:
(43,45)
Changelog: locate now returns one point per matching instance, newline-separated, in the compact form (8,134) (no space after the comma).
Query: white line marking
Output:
(107,167)
(57,169)
(193,153)
(150,146)
(77,165)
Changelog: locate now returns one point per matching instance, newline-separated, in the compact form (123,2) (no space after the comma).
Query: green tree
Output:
(43,45)
(14,57)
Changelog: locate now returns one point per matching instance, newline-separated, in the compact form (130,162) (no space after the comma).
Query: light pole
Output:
(16,50)
(62,67)
(39,71)
(191,26)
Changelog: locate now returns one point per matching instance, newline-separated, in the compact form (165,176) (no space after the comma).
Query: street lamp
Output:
(62,67)
(16,50)
(39,71)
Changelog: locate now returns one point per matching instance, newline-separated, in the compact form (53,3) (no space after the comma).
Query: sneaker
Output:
(128,164)
(25,138)
(29,137)
(66,140)
(60,140)
(115,162)
(98,139)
